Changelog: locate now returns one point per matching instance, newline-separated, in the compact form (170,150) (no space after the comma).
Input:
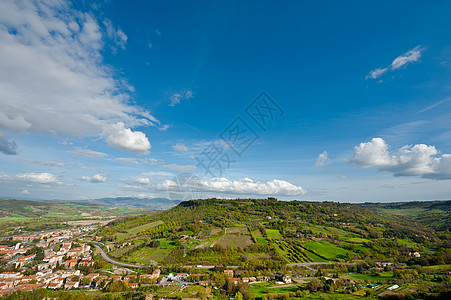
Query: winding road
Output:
(108,259)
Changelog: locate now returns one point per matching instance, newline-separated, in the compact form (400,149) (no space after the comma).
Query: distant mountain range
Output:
(151,203)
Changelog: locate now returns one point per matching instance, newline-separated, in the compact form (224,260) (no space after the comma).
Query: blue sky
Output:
(115,99)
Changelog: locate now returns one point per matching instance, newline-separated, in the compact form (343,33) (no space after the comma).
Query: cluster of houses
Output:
(237,277)
(54,236)
(67,279)
(14,252)
(70,256)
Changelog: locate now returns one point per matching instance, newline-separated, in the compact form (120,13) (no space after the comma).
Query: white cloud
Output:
(140,181)
(25,192)
(180,168)
(116,35)
(177,97)
(128,160)
(417,160)
(127,140)
(44,163)
(410,56)
(53,79)
(321,160)
(248,186)
(41,178)
(180,147)
(164,127)
(376,73)
(137,161)
(7,146)
(217,186)
(86,153)
(434,105)
(374,153)
(98,178)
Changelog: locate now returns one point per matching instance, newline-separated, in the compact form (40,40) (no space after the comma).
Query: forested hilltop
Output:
(266,233)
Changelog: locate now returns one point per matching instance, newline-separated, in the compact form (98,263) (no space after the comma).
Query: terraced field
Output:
(233,241)
(136,230)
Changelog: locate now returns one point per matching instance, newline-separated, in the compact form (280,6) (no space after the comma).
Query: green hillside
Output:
(24,215)
(265,233)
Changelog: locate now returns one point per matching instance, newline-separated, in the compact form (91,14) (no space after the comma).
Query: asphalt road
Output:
(108,259)
(306,264)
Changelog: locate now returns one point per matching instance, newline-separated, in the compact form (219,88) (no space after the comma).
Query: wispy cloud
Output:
(118,37)
(86,153)
(180,147)
(164,127)
(434,105)
(179,96)
(321,160)
(409,57)
(180,168)
(44,163)
(139,161)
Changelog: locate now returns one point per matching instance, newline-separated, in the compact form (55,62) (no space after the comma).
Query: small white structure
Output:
(393,287)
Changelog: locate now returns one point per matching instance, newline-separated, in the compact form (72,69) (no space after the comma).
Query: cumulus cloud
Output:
(409,57)
(180,147)
(321,160)
(126,139)
(245,186)
(248,186)
(53,79)
(86,153)
(7,146)
(177,97)
(98,178)
(417,160)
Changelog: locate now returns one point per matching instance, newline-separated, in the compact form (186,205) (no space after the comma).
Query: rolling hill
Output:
(266,232)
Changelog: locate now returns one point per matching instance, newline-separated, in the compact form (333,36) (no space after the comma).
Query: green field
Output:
(15,218)
(260,289)
(380,277)
(272,233)
(258,236)
(325,249)
(149,256)
(314,257)
(233,241)
(135,230)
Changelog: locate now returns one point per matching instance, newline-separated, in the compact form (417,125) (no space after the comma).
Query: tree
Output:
(239,296)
